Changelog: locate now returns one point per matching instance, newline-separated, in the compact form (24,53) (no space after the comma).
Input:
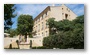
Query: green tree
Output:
(12,32)
(25,25)
(9,10)
(70,34)
(51,24)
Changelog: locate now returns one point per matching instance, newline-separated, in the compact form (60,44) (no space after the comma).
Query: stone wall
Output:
(8,41)
(36,42)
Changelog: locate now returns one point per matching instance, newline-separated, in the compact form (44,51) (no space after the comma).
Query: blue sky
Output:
(35,9)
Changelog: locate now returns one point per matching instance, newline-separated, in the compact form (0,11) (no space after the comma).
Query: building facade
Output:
(41,28)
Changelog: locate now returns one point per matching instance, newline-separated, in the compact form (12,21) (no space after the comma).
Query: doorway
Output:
(66,16)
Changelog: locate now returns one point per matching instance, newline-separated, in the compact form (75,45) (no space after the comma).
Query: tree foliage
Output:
(69,34)
(12,32)
(25,24)
(9,10)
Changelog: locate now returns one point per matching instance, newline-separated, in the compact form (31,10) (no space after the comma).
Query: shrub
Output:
(69,34)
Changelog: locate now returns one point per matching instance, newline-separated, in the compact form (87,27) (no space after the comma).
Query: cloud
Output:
(30,9)
(77,8)
(35,9)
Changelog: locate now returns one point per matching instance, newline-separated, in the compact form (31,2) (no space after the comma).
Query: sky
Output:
(35,9)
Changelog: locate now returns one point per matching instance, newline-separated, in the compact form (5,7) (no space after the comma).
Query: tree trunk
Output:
(26,38)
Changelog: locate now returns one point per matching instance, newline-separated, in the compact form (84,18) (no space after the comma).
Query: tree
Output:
(12,32)
(51,24)
(9,10)
(25,25)
(70,34)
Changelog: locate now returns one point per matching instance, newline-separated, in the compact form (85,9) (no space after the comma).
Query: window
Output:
(46,13)
(62,13)
(42,16)
(38,19)
(46,24)
(42,26)
(46,33)
(69,10)
(42,34)
(35,21)
(34,28)
(66,16)
(38,27)
(62,8)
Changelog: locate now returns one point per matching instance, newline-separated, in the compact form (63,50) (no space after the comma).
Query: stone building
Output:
(58,12)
